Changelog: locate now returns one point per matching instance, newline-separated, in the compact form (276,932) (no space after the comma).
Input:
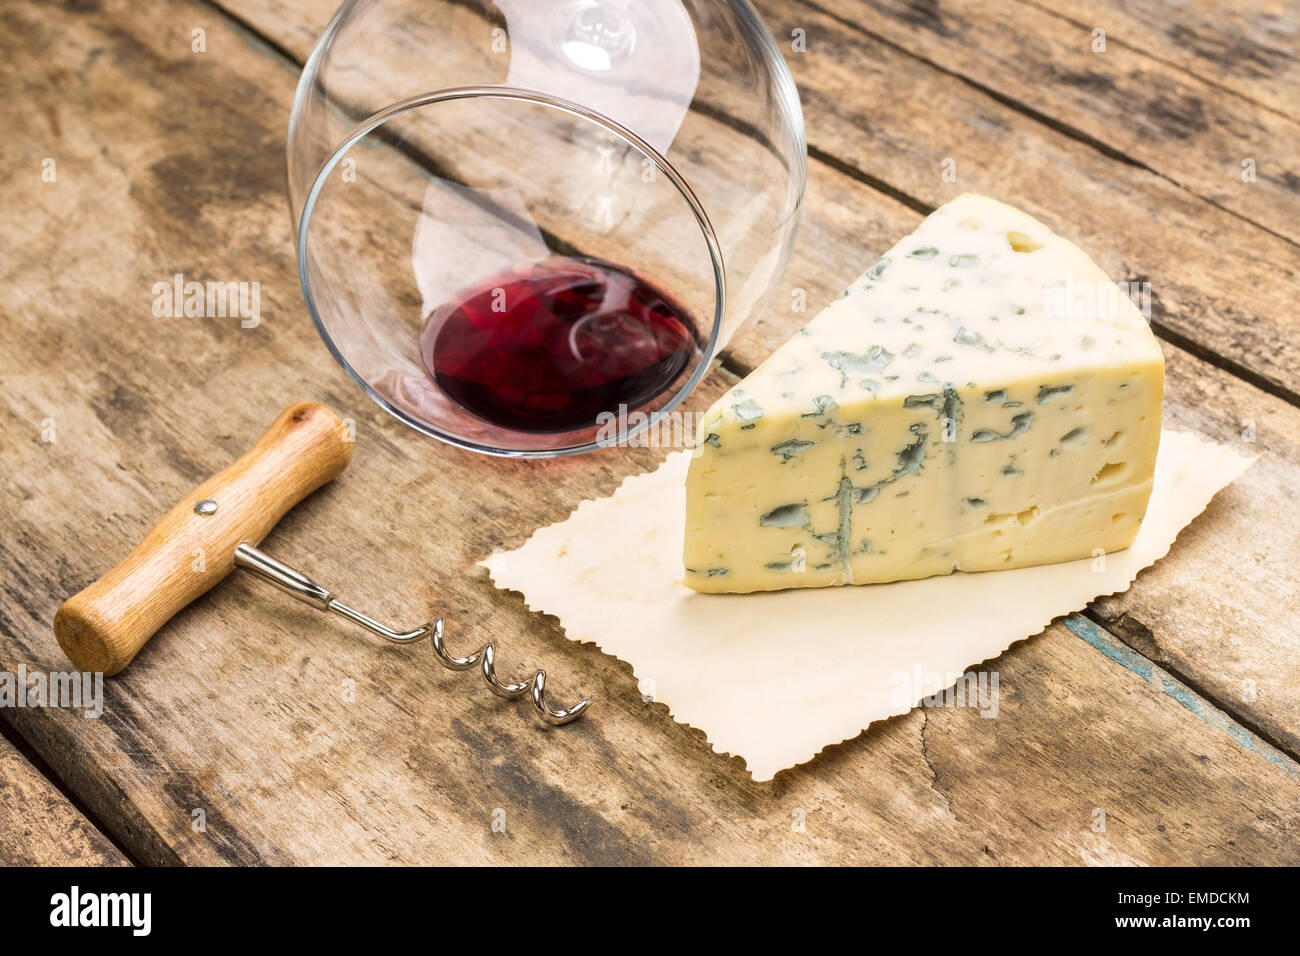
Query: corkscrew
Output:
(298,585)
(216,529)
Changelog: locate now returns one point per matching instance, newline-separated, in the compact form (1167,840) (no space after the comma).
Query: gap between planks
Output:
(1240,728)
(1191,699)
(1170,335)
(15,738)
(1038,116)
(1139,51)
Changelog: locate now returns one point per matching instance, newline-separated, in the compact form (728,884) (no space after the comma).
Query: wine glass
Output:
(527,227)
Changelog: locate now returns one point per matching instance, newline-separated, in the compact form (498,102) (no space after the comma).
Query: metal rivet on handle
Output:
(206,507)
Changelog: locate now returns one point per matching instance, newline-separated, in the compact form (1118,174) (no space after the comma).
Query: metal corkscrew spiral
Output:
(298,585)
(485,660)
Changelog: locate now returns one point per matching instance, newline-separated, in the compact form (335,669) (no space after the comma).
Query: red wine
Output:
(548,346)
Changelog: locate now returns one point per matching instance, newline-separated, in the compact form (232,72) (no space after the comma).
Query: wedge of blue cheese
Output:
(982,398)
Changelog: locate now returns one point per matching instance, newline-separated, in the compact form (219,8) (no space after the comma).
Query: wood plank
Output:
(1249,49)
(1186,129)
(239,708)
(39,826)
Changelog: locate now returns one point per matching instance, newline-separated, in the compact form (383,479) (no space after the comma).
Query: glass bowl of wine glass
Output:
(527,227)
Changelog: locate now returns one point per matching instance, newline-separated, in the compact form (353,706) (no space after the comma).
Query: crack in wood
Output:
(929,765)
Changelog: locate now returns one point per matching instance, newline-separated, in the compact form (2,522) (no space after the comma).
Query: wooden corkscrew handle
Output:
(192,548)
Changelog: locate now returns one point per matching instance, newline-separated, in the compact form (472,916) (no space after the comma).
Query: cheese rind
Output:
(981,398)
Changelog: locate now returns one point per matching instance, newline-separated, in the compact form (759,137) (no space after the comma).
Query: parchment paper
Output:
(775,677)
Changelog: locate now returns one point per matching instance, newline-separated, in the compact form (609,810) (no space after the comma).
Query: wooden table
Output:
(1173,708)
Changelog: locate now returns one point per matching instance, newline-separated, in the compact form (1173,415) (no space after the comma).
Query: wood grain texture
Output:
(305,741)
(1247,48)
(39,827)
(1181,127)
(103,626)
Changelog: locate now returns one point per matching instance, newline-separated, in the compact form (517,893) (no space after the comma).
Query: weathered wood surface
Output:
(1121,100)
(302,740)
(1249,49)
(39,827)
